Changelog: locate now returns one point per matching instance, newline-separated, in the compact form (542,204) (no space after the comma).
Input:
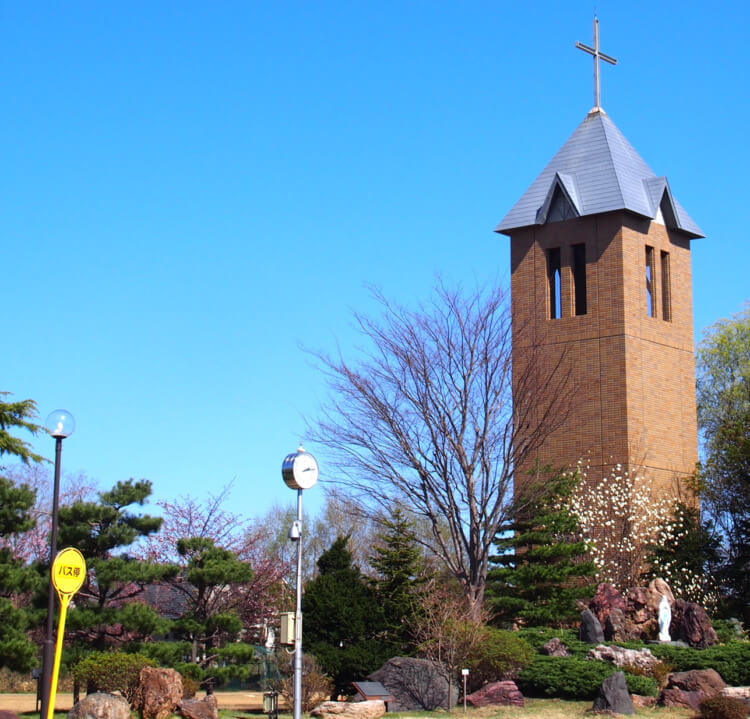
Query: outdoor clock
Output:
(299,470)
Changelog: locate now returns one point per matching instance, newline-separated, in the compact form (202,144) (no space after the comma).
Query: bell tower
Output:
(601,285)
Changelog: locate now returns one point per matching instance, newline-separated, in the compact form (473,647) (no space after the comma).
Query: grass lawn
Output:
(535,709)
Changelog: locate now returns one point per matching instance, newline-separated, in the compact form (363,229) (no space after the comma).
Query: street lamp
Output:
(60,424)
(299,471)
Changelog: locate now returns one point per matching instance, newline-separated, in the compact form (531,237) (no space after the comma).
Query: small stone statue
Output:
(665,619)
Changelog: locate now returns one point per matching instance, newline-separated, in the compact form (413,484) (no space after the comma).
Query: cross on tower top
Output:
(597,55)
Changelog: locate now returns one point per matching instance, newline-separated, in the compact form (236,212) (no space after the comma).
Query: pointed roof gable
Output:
(597,170)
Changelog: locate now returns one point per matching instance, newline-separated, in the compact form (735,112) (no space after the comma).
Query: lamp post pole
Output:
(60,424)
(299,471)
(298,619)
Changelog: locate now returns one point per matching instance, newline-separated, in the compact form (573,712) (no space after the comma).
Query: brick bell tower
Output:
(601,282)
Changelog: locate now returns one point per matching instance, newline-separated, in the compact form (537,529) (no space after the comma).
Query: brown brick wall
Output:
(634,374)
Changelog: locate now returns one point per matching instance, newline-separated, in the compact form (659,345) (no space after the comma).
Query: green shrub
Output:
(729,629)
(564,677)
(645,686)
(499,655)
(573,678)
(723,708)
(537,637)
(731,661)
(111,672)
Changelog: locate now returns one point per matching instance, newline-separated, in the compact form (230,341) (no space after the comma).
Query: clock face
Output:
(305,470)
(299,470)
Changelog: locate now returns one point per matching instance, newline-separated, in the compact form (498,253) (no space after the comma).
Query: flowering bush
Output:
(620,520)
(633,536)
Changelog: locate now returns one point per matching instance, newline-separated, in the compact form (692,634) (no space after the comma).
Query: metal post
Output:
(298,619)
(49,642)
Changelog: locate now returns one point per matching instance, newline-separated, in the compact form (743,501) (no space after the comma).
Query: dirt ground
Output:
(241,701)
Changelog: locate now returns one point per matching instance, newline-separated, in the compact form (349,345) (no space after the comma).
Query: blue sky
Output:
(191,191)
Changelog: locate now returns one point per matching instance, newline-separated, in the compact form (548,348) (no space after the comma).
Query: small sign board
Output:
(68,571)
(465,672)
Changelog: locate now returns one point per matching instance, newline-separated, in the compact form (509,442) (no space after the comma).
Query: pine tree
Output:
(104,613)
(18,415)
(540,568)
(16,651)
(398,561)
(344,621)
(211,586)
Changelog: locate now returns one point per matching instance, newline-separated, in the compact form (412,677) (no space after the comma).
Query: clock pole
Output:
(299,471)
(298,618)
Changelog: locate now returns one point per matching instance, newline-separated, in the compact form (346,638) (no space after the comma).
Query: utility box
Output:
(287,628)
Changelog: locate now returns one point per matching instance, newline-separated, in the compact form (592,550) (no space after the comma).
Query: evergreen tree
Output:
(398,561)
(540,568)
(211,584)
(17,415)
(16,651)
(104,615)
(344,622)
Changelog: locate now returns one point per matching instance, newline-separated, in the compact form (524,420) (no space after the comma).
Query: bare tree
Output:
(445,635)
(431,418)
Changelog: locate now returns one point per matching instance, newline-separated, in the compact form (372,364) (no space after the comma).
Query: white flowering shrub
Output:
(622,523)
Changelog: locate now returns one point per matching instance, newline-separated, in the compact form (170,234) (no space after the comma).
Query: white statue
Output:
(665,619)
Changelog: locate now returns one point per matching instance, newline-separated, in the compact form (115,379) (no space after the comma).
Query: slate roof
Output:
(597,170)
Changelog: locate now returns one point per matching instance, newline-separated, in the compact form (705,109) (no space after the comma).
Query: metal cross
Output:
(597,55)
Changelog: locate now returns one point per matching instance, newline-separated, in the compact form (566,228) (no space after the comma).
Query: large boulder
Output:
(691,623)
(496,693)
(689,689)
(206,708)
(614,696)
(159,692)
(591,630)
(605,600)
(370,709)
(100,705)
(621,657)
(415,684)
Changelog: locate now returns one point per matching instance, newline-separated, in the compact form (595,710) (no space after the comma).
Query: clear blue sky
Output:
(191,190)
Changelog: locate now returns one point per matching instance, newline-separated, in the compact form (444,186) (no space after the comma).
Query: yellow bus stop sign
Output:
(68,571)
(68,575)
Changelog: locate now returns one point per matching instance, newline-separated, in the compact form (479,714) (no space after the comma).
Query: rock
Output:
(159,692)
(641,702)
(605,600)
(370,709)
(4,714)
(555,648)
(621,657)
(101,706)
(591,630)
(614,696)
(497,693)
(637,605)
(415,684)
(691,623)
(689,689)
(738,693)
(206,708)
